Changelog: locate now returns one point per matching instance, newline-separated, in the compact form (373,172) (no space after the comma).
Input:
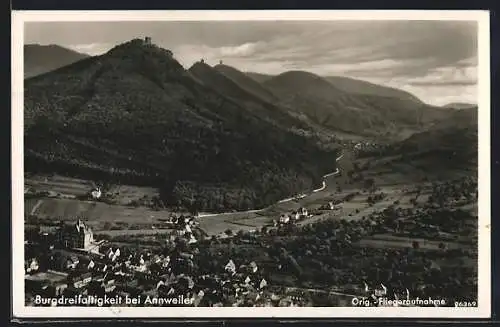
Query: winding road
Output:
(299,196)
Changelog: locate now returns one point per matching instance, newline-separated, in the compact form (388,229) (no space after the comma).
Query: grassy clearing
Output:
(58,184)
(134,232)
(68,209)
(66,186)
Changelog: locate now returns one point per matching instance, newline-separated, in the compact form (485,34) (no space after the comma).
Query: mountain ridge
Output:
(224,85)
(350,85)
(357,86)
(246,82)
(332,107)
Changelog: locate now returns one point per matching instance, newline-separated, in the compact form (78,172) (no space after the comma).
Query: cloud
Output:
(444,94)
(246,49)
(93,49)
(445,76)
(368,67)
(439,86)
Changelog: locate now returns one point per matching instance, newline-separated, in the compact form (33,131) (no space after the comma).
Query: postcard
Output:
(203,164)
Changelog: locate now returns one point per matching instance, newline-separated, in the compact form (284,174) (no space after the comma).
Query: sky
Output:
(434,60)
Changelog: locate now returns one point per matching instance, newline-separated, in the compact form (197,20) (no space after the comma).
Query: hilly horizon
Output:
(322,102)
(351,85)
(40,59)
(357,86)
(135,115)
(222,84)
(234,85)
(355,113)
(246,82)
(259,77)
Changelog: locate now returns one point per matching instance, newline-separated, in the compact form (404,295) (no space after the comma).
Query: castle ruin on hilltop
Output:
(147,41)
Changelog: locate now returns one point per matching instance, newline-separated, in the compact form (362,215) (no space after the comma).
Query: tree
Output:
(369,183)
(240,233)
(228,232)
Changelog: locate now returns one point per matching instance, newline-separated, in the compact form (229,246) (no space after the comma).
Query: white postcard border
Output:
(19,310)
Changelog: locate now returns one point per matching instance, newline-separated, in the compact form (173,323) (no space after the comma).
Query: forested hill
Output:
(362,114)
(238,91)
(351,85)
(135,115)
(446,147)
(360,87)
(246,82)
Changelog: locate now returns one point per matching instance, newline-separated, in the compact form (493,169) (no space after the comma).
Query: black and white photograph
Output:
(263,164)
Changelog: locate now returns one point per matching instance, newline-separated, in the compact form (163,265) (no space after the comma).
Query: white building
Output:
(284,219)
(78,236)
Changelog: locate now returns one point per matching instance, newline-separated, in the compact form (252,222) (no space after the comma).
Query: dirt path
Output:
(35,207)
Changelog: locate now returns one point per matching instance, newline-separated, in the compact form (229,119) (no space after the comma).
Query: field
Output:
(133,232)
(31,205)
(74,187)
(69,209)
(216,225)
(58,184)
(351,210)
(390,170)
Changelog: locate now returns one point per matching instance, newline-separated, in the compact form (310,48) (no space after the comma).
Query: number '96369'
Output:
(459,304)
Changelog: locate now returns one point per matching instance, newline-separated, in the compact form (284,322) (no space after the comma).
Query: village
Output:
(299,259)
(66,260)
